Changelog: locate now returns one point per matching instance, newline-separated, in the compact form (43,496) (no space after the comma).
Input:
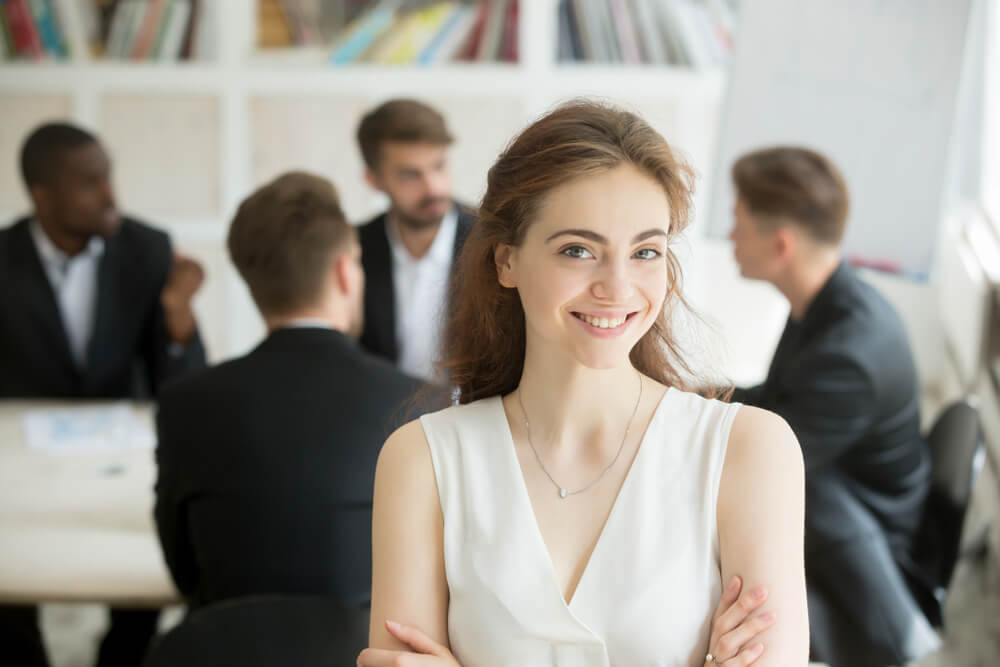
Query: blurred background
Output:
(200,101)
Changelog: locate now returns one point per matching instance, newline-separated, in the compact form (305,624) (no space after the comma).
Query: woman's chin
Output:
(603,361)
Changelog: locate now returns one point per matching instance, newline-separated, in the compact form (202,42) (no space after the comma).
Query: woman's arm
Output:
(761,523)
(408,577)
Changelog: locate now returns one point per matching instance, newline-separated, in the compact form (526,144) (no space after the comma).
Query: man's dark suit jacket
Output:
(844,379)
(266,468)
(129,354)
(129,357)
(379,335)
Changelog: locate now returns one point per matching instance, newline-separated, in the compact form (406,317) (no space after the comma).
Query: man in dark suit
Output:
(408,251)
(844,379)
(266,463)
(95,305)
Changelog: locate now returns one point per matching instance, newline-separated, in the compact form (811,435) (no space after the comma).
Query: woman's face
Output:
(592,271)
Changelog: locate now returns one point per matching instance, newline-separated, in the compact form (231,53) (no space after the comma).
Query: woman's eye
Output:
(577,252)
(647,253)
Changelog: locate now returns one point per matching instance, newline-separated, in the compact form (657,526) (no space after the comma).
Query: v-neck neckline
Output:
(522,485)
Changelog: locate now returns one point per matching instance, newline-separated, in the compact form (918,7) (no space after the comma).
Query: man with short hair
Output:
(95,305)
(844,379)
(266,463)
(408,252)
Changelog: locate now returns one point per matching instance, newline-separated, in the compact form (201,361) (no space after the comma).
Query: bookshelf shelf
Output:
(645,80)
(113,75)
(377,80)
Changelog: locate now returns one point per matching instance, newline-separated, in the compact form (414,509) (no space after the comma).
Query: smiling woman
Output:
(583,506)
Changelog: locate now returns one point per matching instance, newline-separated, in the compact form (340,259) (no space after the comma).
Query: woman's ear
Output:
(502,256)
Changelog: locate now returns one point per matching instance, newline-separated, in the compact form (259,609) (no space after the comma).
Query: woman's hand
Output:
(733,627)
(425,651)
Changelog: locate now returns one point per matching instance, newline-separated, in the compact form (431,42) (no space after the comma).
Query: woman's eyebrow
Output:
(597,238)
(584,233)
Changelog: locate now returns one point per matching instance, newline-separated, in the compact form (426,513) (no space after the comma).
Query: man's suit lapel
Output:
(38,297)
(105,336)
(465,221)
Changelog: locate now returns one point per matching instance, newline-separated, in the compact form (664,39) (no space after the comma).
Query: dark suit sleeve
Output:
(830,410)
(169,510)
(165,359)
(748,395)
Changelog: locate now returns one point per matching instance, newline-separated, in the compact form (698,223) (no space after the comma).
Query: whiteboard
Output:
(872,84)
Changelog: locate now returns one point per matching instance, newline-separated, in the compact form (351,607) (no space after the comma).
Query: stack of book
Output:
(303,23)
(692,33)
(124,29)
(396,32)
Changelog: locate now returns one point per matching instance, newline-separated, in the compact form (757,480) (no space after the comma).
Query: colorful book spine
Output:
(489,45)
(452,37)
(44,16)
(426,55)
(173,34)
(625,29)
(77,23)
(161,30)
(7,50)
(27,42)
(471,47)
(424,24)
(189,40)
(142,44)
(510,48)
(118,30)
(365,31)
(651,40)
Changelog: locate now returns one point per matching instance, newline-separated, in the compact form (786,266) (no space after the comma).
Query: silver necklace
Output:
(563,491)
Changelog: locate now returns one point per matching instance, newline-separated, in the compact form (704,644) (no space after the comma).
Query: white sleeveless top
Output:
(648,592)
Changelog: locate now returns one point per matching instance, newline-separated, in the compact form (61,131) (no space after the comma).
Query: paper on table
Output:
(86,430)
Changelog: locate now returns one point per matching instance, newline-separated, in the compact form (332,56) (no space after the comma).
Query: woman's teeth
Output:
(603,322)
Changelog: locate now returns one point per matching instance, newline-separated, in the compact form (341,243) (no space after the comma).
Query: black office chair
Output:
(956,444)
(265,631)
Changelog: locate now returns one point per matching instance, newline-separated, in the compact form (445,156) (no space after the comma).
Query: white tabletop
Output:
(77,527)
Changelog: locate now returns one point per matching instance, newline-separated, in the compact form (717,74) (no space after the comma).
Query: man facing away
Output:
(844,379)
(95,305)
(409,251)
(266,463)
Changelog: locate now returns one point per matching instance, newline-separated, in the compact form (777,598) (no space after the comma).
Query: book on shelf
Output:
(81,29)
(690,33)
(391,32)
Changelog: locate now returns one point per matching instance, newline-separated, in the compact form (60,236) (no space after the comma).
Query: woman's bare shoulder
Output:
(762,438)
(405,454)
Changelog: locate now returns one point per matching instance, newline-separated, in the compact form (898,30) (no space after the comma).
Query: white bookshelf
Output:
(215,128)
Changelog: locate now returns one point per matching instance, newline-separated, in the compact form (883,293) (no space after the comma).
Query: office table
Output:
(77,527)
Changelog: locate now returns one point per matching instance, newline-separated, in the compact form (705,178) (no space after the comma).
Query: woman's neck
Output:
(570,406)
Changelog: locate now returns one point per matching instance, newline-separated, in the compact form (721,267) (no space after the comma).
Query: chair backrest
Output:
(954,440)
(956,444)
(265,631)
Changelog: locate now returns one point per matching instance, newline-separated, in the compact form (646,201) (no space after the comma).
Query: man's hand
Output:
(183,282)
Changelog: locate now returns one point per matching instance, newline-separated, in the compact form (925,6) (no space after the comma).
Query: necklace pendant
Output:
(563,493)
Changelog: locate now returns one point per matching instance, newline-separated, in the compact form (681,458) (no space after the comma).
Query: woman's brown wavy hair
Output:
(483,344)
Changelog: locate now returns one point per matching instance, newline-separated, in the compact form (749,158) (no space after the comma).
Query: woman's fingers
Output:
(415,639)
(738,611)
(747,656)
(729,644)
(729,596)
(377,657)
